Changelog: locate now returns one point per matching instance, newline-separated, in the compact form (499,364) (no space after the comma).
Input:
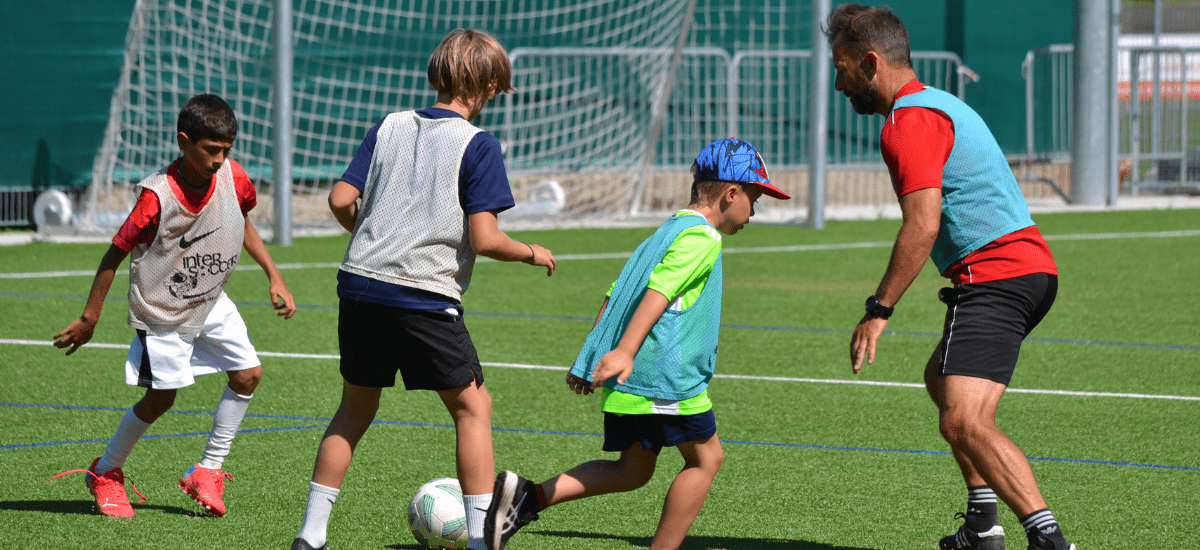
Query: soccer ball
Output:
(437,516)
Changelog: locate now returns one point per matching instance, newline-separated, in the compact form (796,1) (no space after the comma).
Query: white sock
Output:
(477,506)
(316,513)
(128,433)
(231,409)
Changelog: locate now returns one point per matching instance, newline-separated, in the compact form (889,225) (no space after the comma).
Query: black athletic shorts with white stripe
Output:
(986,322)
(431,348)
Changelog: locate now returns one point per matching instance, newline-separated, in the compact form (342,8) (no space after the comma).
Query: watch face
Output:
(877,309)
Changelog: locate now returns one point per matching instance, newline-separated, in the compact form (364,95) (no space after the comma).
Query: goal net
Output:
(614,97)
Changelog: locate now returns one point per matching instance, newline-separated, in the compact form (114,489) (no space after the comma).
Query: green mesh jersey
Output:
(680,276)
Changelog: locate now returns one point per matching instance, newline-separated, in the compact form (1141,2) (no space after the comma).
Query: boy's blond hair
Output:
(467,63)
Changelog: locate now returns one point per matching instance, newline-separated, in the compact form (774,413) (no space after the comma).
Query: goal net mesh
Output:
(614,97)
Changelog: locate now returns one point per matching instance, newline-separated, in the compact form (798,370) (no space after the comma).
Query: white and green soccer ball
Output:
(437,516)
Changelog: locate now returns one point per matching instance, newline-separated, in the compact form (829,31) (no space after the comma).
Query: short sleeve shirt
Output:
(684,270)
(680,276)
(141,226)
(482,181)
(916,143)
(482,186)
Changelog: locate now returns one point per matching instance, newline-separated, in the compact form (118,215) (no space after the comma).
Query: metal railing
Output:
(1047,139)
(16,206)
(1174,151)
(765,101)
(1157,113)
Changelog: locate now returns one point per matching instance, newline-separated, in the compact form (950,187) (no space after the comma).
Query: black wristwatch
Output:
(876,309)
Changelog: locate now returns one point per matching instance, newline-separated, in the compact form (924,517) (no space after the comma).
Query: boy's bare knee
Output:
(358,408)
(637,466)
(470,403)
(706,454)
(717,460)
(244,382)
(709,460)
(154,404)
(639,474)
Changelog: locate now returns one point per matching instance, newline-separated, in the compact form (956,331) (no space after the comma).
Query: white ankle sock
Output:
(316,513)
(477,506)
(231,409)
(129,431)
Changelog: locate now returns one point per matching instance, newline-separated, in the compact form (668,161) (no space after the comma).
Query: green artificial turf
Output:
(809,464)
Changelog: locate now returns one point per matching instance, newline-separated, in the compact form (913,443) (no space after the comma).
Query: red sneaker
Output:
(109,490)
(205,486)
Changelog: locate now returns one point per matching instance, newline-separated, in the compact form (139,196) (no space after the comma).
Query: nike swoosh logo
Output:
(184,242)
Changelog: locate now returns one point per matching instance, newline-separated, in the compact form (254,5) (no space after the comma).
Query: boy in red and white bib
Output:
(184,237)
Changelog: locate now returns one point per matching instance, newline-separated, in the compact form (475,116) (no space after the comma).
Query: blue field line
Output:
(159,436)
(494,429)
(172,411)
(723,325)
(536,432)
(944,453)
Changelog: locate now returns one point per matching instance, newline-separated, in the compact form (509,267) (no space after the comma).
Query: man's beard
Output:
(864,102)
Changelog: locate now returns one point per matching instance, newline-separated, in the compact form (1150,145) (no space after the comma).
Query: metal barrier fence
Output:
(763,96)
(1158,115)
(565,96)
(759,95)
(16,206)
(1163,149)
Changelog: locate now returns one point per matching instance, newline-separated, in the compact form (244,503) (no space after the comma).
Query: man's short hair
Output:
(861,29)
(207,116)
(706,192)
(467,62)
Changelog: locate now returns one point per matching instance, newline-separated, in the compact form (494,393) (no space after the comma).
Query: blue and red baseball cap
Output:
(734,160)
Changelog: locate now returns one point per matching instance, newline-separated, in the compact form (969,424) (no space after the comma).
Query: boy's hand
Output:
(78,333)
(282,299)
(579,385)
(543,257)
(614,363)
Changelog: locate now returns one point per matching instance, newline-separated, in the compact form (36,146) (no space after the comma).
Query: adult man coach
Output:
(961,207)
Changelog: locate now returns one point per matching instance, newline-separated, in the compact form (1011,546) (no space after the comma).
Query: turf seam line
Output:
(622,255)
(885,383)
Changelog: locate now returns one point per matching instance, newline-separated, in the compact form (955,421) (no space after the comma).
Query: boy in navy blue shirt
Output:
(430,186)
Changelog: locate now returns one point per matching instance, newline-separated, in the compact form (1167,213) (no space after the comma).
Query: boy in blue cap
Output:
(652,350)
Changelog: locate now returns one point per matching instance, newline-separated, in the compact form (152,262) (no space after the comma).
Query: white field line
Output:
(726,376)
(1095,236)
(620,255)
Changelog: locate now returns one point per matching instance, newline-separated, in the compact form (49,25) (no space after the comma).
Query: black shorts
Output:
(430,348)
(655,431)
(986,322)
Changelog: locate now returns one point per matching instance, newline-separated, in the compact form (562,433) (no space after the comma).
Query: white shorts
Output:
(169,360)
